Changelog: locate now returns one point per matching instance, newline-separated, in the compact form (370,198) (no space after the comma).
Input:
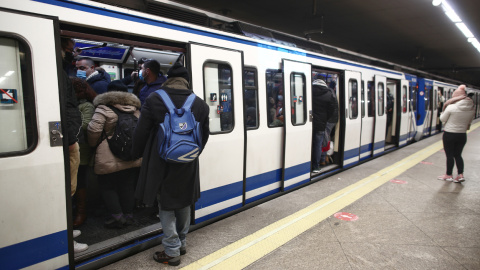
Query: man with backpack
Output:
(176,185)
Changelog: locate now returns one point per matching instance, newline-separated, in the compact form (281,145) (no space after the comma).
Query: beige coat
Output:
(105,119)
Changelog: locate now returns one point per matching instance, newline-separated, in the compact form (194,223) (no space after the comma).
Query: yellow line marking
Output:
(255,246)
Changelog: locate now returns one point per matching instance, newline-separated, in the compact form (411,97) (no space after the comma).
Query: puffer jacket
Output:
(99,81)
(105,119)
(457,117)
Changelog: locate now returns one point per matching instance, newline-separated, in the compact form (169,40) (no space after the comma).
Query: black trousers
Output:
(118,190)
(453,144)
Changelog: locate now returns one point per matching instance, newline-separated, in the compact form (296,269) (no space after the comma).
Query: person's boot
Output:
(81,207)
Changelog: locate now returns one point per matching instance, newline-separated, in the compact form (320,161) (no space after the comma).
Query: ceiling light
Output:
(9,73)
(437,2)
(450,12)
(465,30)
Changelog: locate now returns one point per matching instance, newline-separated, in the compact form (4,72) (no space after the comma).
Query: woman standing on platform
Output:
(458,113)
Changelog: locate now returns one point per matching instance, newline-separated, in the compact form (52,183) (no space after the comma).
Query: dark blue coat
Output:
(99,82)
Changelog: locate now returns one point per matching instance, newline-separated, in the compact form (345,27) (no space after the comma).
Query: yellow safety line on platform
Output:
(253,247)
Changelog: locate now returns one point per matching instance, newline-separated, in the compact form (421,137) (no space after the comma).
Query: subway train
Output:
(257,83)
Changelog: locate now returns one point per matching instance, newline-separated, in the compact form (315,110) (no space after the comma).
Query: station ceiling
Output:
(411,33)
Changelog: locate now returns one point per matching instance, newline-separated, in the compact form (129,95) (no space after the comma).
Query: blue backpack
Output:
(179,136)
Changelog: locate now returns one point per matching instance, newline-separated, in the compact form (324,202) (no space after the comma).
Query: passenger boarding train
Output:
(259,90)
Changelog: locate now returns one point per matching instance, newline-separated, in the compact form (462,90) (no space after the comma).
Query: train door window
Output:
(413,97)
(17,106)
(363,99)
(299,104)
(435,98)
(427,98)
(251,97)
(217,78)
(352,98)
(275,95)
(404,99)
(381,93)
(370,99)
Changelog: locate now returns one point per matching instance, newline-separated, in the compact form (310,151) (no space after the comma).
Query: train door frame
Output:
(44,182)
(225,194)
(380,116)
(297,137)
(396,116)
(368,119)
(351,119)
(434,108)
(404,112)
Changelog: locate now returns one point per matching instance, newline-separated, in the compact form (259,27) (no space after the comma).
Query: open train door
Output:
(217,78)
(35,178)
(353,122)
(404,116)
(381,116)
(298,128)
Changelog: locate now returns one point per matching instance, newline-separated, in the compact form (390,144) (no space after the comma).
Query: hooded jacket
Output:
(457,117)
(99,82)
(106,119)
(178,184)
(325,107)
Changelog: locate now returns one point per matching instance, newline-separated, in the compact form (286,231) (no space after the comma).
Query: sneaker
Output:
(445,177)
(76,233)
(459,178)
(315,171)
(79,247)
(162,257)
(183,250)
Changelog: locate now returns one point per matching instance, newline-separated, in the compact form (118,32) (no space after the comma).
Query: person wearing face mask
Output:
(97,79)
(68,56)
(150,73)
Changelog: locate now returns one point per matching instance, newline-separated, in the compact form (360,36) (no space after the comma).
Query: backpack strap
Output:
(171,107)
(166,100)
(189,102)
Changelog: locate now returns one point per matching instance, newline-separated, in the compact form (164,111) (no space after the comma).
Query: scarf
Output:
(458,95)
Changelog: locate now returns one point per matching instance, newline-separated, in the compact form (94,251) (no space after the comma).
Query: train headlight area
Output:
(391,212)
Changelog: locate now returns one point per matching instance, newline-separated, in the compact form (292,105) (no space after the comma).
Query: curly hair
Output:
(83,90)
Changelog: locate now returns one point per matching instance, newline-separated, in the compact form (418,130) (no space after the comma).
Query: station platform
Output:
(387,213)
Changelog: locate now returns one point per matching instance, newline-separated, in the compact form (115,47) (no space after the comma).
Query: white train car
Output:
(248,159)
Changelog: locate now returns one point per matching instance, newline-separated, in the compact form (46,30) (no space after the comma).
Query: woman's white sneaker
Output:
(79,247)
(76,233)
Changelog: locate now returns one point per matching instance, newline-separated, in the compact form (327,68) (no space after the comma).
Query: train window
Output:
(352,98)
(363,99)
(17,105)
(251,97)
(381,93)
(404,99)
(217,78)
(413,97)
(427,98)
(274,81)
(299,104)
(370,99)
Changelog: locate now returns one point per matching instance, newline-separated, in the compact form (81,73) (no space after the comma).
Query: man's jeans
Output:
(175,225)
(317,148)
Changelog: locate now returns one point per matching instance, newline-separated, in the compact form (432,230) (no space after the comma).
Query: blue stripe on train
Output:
(34,251)
(135,18)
